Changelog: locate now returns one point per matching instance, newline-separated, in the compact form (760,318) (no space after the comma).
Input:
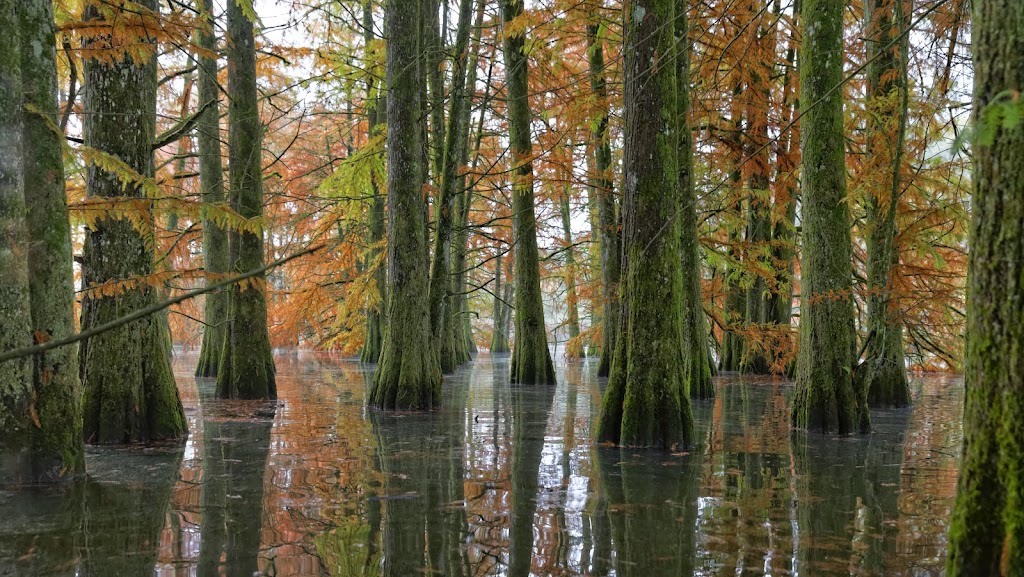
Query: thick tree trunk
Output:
(986,536)
(15,312)
(826,399)
(57,448)
(531,359)
(247,362)
(374,313)
(697,370)
(211,182)
(601,182)
(408,375)
(884,370)
(646,402)
(130,392)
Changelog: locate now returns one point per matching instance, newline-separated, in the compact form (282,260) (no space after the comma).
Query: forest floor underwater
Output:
(503,480)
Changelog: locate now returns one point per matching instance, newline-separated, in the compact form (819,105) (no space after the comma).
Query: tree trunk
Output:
(735,299)
(15,312)
(697,370)
(985,536)
(646,403)
(531,360)
(58,450)
(211,182)
(408,375)
(601,182)
(130,392)
(826,399)
(884,370)
(247,363)
(374,312)
(499,338)
(571,298)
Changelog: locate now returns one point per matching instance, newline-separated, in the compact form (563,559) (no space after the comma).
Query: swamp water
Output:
(502,481)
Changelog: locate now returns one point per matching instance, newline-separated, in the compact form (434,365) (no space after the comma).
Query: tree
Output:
(697,372)
(374,319)
(646,402)
(408,375)
(247,362)
(531,359)
(216,258)
(884,370)
(130,392)
(985,536)
(826,399)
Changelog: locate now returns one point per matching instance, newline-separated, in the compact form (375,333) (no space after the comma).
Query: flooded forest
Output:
(511,288)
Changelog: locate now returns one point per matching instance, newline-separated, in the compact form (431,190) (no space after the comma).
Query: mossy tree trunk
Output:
(986,536)
(408,375)
(884,370)
(15,313)
(601,182)
(57,448)
(499,338)
(211,182)
(130,392)
(571,298)
(247,363)
(697,370)
(531,359)
(646,403)
(826,399)
(374,313)
(735,309)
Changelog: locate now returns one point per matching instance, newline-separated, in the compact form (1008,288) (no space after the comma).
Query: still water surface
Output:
(502,481)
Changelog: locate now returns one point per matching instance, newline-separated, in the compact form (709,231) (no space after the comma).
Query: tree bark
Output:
(408,375)
(646,402)
(531,359)
(211,183)
(247,362)
(374,313)
(985,536)
(571,298)
(826,399)
(130,392)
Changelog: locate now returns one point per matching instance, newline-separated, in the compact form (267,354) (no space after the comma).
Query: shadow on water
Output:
(502,481)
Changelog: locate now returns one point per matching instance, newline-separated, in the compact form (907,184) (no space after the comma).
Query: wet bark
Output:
(531,359)
(646,403)
(130,392)
(408,375)
(211,183)
(826,399)
(985,536)
(247,363)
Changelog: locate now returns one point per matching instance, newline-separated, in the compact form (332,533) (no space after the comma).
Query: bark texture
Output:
(531,359)
(646,402)
(211,182)
(408,375)
(247,363)
(826,399)
(987,532)
(130,392)
(374,313)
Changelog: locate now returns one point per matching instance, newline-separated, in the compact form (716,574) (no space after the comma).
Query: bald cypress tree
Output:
(826,399)
(247,363)
(408,374)
(987,532)
(130,392)
(531,359)
(646,402)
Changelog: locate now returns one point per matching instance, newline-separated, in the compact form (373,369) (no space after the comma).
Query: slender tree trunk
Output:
(531,359)
(571,298)
(247,362)
(735,299)
(884,370)
(15,312)
(601,182)
(408,375)
(826,399)
(986,532)
(499,338)
(130,392)
(646,402)
(697,370)
(211,182)
(374,312)
(58,450)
